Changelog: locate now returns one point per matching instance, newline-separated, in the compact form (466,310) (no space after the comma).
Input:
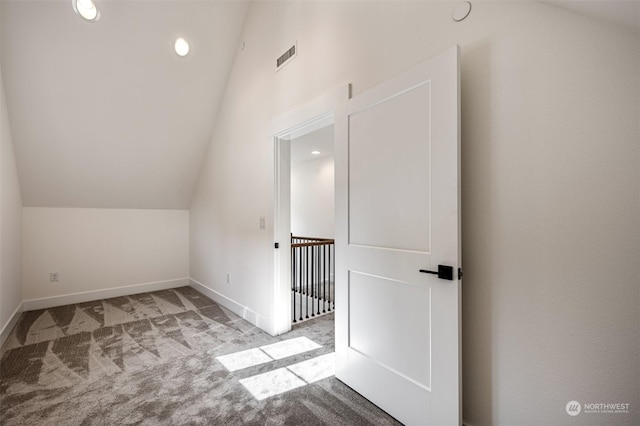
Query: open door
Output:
(398,243)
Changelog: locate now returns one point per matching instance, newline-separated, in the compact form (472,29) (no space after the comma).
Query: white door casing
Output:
(397,212)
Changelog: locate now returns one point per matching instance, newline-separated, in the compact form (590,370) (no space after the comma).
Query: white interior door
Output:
(397,213)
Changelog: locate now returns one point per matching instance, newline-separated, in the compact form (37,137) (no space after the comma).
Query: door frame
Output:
(311,116)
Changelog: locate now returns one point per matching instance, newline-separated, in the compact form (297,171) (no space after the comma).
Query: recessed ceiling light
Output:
(181,46)
(87,9)
(315,152)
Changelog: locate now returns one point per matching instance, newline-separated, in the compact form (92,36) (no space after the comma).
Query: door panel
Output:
(374,335)
(387,210)
(397,212)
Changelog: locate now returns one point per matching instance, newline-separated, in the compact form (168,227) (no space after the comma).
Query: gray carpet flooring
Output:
(151,359)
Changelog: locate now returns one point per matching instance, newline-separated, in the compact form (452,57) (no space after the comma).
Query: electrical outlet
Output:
(228,278)
(263,222)
(53,277)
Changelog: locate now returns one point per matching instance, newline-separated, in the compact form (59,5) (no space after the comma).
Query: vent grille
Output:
(286,57)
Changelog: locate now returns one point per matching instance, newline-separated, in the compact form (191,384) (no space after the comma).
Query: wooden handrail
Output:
(310,241)
(315,243)
(311,238)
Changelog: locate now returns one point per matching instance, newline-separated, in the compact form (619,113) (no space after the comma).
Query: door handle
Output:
(444,272)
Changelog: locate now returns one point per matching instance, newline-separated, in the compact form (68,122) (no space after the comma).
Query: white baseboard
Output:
(253,317)
(51,302)
(6,330)
(88,296)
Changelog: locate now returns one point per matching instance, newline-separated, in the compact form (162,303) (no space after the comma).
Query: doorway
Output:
(312,224)
(310,122)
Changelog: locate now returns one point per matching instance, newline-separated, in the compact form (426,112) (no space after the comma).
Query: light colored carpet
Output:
(151,359)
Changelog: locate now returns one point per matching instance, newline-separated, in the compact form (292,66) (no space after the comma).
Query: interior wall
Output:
(312,198)
(94,250)
(10,221)
(551,215)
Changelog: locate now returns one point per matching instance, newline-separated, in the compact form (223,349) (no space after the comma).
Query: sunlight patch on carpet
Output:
(244,359)
(315,369)
(263,354)
(272,383)
(282,380)
(290,347)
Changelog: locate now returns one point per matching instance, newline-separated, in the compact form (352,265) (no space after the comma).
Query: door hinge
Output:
(459,273)
(277,245)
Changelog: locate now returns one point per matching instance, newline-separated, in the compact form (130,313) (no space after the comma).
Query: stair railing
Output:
(312,277)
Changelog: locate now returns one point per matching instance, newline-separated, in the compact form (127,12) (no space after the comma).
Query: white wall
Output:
(551,215)
(312,198)
(98,249)
(10,222)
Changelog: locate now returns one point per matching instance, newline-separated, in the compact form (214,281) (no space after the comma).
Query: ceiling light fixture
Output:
(315,152)
(87,9)
(181,46)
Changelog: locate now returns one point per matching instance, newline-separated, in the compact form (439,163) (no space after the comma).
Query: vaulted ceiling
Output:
(105,114)
(622,13)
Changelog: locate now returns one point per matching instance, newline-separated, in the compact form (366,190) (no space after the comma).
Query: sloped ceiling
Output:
(625,13)
(105,114)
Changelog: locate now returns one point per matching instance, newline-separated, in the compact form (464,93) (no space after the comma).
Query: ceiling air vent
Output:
(286,57)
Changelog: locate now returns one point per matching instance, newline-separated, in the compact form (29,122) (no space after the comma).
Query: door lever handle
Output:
(444,272)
